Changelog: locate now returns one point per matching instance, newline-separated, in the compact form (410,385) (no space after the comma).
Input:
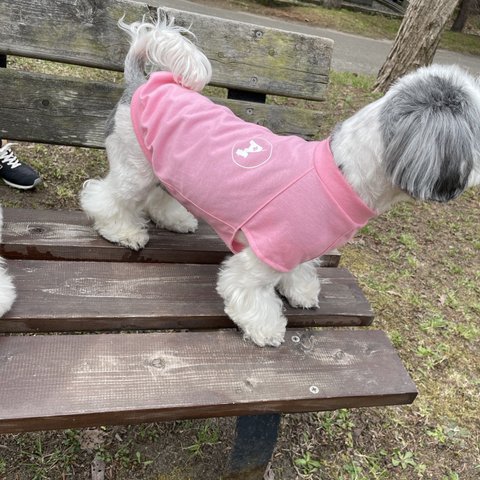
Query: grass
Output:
(207,435)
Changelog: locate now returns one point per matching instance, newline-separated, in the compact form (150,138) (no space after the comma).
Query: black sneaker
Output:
(15,173)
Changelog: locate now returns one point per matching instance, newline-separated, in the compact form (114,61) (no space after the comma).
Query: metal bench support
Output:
(255,440)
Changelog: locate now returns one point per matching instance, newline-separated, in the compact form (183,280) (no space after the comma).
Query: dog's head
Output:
(430,122)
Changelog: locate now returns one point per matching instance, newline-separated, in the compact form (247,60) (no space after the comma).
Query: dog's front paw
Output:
(247,287)
(174,217)
(132,240)
(186,223)
(264,328)
(301,297)
(263,340)
(301,287)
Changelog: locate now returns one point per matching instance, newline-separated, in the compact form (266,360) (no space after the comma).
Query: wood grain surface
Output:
(68,235)
(48,109)
(81,296)
(69,381)
(243,56)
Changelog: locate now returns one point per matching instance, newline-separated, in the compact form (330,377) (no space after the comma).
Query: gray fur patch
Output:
(429,128)
(110,123)
(125,99)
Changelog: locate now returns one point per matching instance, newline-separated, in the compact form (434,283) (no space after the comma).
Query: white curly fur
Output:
(7,289)
(167,47)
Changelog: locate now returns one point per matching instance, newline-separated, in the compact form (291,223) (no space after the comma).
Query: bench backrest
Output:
(250,62)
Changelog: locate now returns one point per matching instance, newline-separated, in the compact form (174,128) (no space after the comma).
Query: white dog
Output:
(7,289)
(278,202)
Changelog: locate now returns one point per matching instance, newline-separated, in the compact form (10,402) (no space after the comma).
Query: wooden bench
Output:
(156,344)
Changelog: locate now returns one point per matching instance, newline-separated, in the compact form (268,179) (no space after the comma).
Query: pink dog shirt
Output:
(286,194)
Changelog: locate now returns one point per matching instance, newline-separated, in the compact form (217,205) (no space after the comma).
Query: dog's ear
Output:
(430,131)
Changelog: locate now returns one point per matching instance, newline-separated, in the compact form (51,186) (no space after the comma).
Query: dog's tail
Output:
(166,47)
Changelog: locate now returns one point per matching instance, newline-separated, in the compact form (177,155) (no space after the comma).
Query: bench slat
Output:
(243,56)
(39,108)
(80,296)
(63,235)
(69,381)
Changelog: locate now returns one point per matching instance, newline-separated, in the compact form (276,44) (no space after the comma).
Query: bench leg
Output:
(255,440)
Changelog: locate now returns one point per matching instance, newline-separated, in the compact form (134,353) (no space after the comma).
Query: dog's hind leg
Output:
(301,286)
(168,213)
(116,202)
(247,287)
(116,219)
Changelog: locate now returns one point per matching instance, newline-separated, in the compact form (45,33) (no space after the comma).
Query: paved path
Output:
(351,53)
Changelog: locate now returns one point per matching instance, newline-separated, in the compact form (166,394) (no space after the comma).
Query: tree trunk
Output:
(462,15)
(417,39)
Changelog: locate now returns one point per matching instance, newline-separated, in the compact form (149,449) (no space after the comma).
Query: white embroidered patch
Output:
(253,153)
